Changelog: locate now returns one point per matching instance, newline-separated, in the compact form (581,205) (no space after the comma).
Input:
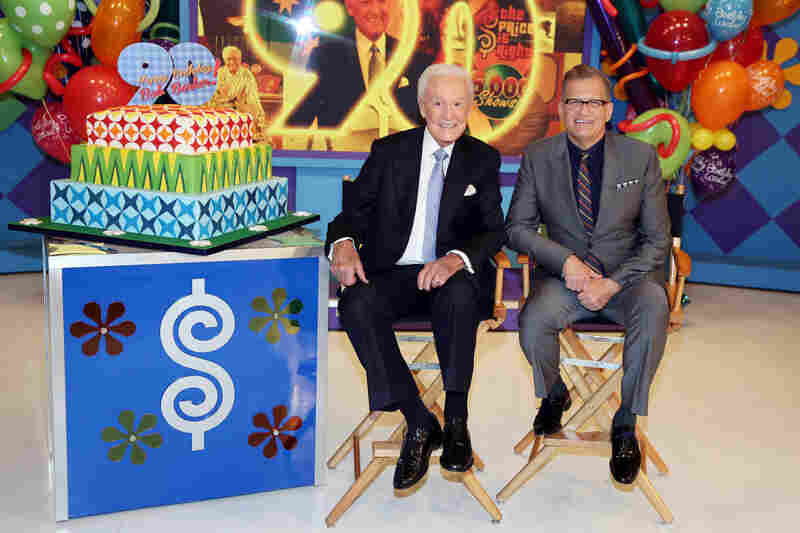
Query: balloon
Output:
(676,31)
(720,94)
(93,89)
(31,83)
(633,26)
(766,84)
(745,48)
(702,138)
(44,22)
(772,11)
(712,172)
(116,24)
(724,139)
(682,5)
(52,132)
(667,130)
(727,18)
(638,90)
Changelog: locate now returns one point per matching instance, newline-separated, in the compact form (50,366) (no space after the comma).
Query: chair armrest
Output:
(525,261)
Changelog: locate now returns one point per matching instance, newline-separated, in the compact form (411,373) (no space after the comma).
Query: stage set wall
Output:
(749,236)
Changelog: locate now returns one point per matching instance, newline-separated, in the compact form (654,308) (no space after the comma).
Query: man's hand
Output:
(597,292)
(436,273)
(346,264)
(577,274)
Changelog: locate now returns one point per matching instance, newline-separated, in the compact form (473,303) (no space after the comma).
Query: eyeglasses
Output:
(593,103)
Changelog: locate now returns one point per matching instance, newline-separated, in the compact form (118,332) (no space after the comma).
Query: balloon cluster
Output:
(29,67)
(707,58)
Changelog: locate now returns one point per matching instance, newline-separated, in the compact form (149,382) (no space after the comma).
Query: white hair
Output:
(442,70)
(228,50)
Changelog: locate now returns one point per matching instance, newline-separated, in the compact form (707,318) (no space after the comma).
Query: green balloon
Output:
(44,22)
(661,133)
(32,84)
(684,5)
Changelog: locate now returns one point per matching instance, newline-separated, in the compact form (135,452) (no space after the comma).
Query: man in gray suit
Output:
(603,203)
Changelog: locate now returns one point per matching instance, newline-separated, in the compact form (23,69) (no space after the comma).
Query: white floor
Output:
(723,415)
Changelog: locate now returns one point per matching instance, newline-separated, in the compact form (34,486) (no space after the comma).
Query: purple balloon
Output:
(712,172)
(166,44)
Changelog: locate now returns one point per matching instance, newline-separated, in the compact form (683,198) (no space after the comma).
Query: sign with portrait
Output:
(337,74)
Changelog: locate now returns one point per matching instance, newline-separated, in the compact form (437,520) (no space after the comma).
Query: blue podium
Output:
(178,377)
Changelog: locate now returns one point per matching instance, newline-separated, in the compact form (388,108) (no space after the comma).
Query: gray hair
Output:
(443,69)
(228,50)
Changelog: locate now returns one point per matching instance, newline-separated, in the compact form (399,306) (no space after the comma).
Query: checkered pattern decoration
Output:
(170,128)
(179,216)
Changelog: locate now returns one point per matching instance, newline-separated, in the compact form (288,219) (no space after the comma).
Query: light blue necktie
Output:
(435,186)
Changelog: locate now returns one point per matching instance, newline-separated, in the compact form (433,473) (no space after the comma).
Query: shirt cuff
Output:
(464,258)
(330,254)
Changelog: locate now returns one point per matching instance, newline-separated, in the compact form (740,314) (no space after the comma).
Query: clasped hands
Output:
(347,268)
(594,291)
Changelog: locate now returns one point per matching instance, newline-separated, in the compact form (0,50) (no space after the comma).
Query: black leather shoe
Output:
(457,453)
(548,419)
(418,444)
(625,455)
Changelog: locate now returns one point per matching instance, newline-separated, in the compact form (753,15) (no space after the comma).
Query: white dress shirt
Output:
(413,252)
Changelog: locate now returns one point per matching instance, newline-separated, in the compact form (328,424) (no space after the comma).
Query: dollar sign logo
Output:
(198,298)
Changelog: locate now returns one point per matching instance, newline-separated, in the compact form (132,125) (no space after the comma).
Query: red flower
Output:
(103,328)
(261,420)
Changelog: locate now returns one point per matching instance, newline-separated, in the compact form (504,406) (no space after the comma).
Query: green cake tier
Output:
(170,172)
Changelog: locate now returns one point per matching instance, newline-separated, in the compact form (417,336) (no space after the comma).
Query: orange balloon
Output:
(771,11)
(720,94)
(114,28)
(766,83)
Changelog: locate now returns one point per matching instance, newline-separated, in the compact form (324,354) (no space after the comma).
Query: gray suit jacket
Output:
(632,232)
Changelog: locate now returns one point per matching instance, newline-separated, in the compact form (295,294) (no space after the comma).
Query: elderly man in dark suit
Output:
(602,200)
(415,235)
(346,67)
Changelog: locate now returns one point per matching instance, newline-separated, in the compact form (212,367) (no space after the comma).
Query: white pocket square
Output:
(471,190)
(623,184)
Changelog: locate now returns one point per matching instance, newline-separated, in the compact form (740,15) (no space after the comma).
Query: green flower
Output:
(132,438)
(276,315)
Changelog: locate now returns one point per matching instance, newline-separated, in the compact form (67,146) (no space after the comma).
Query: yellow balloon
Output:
(724,139)
(702,139)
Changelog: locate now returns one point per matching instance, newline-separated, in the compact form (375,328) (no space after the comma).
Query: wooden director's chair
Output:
(595,381)
(386,452)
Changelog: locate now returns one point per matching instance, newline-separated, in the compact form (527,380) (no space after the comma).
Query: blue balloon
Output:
(727,18)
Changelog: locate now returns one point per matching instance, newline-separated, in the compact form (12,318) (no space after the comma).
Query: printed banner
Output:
(337,74)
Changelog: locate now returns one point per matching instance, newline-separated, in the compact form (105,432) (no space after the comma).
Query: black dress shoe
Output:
(548,419)
(418,444)
(457,453)
(625,455)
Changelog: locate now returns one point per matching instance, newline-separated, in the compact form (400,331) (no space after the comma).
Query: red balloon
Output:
(52,131)
(746,48)
(93,89)
(676,31)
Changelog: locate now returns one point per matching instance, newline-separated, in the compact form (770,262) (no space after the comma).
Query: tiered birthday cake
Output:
(189,173)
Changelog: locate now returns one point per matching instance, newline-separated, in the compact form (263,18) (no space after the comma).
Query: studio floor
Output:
(723,415)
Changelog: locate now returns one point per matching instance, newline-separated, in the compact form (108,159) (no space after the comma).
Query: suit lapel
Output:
(407,179)
(351,69)
(454,185)
(566,185)
(610,173)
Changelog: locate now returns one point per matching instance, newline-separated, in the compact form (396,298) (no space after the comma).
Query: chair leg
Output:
(478,492)
(524,442)
(527,472)
(643,482)
(356,457)
(361,429)
(373,470)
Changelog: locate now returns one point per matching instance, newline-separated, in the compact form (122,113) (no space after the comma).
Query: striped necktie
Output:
(435,186)
(374,67)
(585,209)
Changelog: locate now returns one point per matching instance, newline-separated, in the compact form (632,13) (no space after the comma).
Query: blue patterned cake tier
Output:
(165,214)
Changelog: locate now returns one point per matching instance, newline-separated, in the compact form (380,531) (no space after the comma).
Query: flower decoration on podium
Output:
(131,438)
